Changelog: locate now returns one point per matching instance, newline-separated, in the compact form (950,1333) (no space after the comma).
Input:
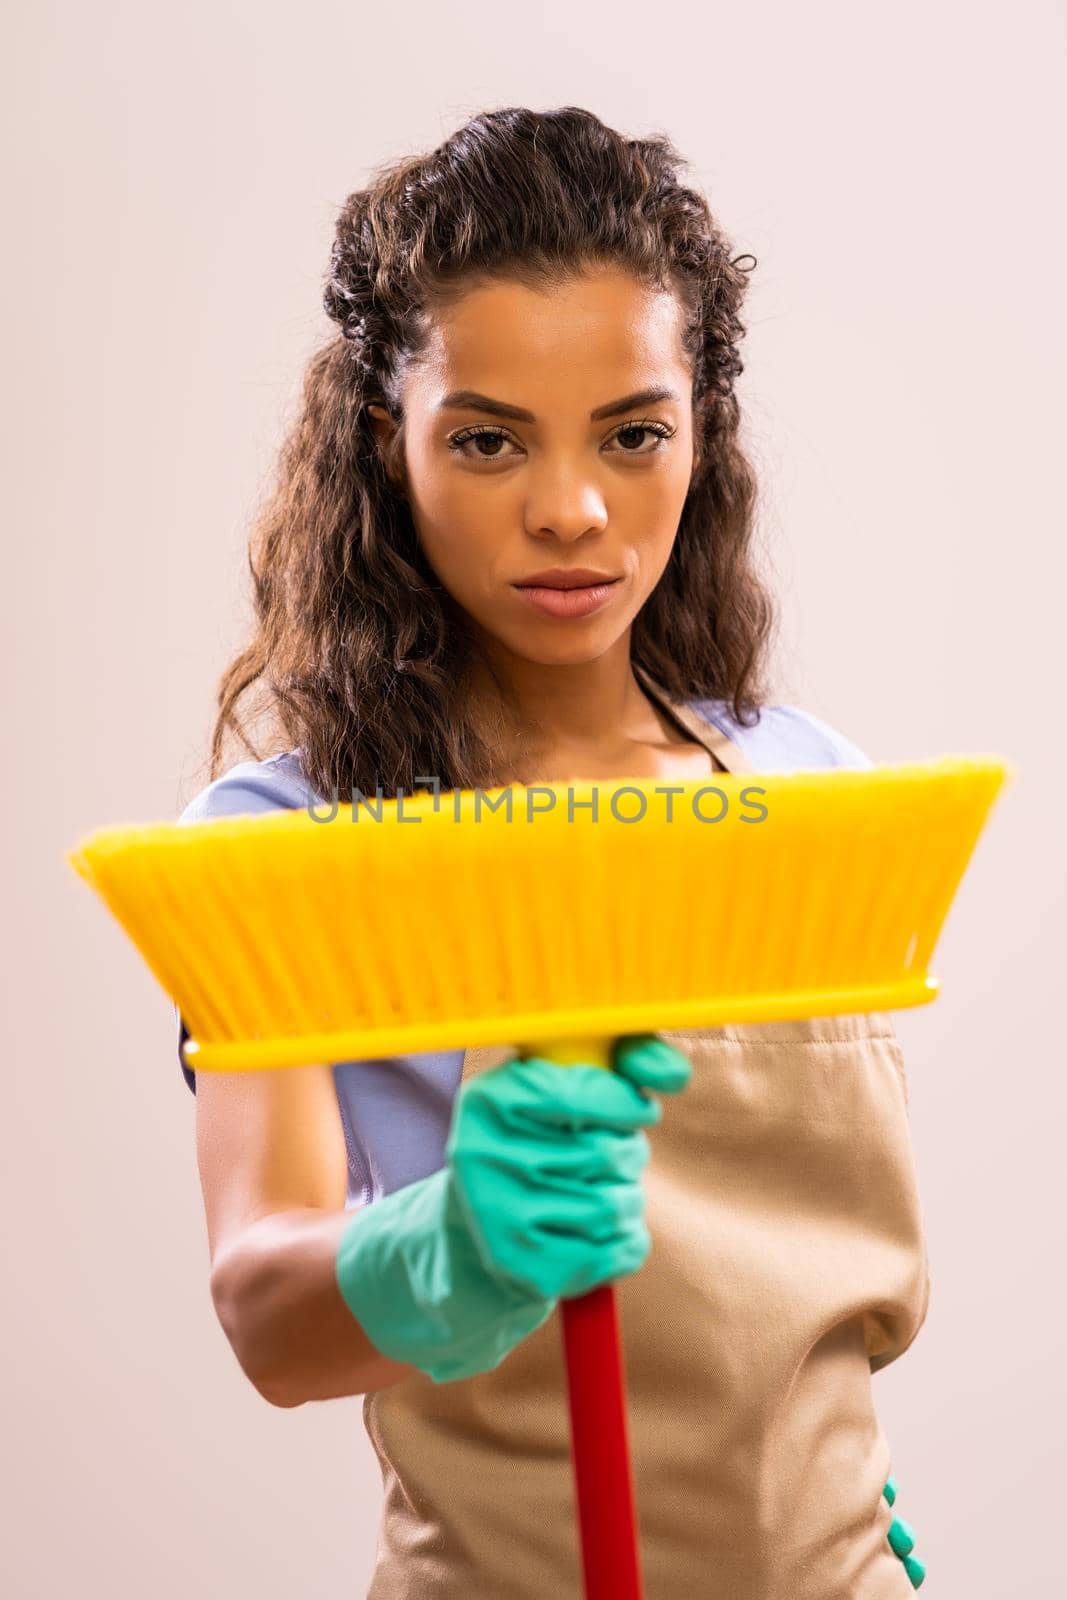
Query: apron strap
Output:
(722,748)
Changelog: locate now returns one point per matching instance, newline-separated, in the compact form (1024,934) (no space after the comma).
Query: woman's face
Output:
(577,481)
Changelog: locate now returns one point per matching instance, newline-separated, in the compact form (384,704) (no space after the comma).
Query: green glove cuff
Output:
(411,1276)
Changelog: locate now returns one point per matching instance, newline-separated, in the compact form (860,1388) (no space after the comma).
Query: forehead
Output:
(505,337)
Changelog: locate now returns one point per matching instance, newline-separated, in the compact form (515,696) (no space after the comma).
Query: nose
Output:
(567,506)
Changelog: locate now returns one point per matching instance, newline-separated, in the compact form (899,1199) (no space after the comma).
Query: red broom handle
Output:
(596,1391)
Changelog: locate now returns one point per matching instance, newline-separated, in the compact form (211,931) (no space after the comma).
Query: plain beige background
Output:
(173,174)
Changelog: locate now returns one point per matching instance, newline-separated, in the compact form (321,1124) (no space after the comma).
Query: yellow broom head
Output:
(475,917)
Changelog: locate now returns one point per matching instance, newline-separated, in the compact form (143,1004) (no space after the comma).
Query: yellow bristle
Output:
(285,940)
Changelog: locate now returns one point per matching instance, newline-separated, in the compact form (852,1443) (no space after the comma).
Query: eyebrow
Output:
(471,400)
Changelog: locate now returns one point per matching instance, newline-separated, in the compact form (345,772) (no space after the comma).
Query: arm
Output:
(273,1169)
(272,1160)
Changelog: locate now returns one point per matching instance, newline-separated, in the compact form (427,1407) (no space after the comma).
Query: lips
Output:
(560,578)
(580,600)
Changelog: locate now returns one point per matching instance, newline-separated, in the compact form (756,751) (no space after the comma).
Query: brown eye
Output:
(637,429)
(473,436)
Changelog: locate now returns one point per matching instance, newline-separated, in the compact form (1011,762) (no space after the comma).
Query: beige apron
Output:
(788,1263)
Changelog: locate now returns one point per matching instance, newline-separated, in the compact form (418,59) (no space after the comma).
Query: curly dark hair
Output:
(359,648)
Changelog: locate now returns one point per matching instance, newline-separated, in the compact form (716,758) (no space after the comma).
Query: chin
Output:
(573,652)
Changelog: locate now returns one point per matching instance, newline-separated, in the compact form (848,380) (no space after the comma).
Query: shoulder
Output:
(251,786)
(785,738)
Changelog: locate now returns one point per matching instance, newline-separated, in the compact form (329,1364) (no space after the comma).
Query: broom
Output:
(565,916)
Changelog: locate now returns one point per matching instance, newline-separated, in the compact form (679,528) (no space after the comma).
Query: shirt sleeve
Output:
(827,746)
(786,738)
(250,788)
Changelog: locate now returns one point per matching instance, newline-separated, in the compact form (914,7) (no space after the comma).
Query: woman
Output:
(510,542)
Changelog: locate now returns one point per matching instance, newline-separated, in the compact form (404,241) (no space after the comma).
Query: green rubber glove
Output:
(901,1539)
(540,1197)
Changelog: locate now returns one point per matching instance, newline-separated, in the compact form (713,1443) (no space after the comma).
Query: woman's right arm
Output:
(271,1153)
(540,1197)
(273,1170)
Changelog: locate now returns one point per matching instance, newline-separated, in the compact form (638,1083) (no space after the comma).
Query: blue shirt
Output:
(396,1111)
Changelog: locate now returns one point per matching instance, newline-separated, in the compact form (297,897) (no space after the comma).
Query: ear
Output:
(384,426)
(382,423)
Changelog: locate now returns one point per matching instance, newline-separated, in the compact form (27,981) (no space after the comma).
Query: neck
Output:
(533,709)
